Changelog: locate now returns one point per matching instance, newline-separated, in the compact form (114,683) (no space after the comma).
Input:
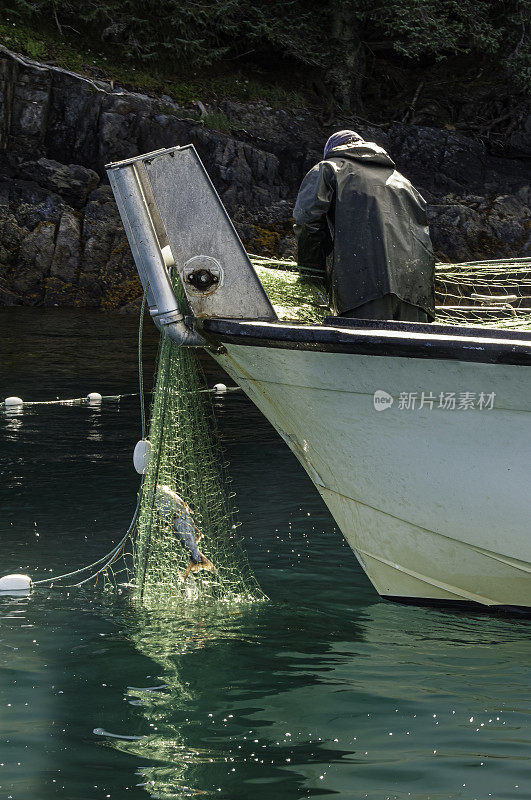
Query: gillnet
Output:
(181,643)
(491,293)
(186,543)
(295,295)
(485,293)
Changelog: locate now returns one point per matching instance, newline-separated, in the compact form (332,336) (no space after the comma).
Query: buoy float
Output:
(141,455)
(167,255)
(94,398)
(13,402)
(10,584)
(220,388)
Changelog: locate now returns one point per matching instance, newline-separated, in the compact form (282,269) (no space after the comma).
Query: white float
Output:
(13,402)
(141,455)
(10,584)
(167,255)
(220,388)
(94,398)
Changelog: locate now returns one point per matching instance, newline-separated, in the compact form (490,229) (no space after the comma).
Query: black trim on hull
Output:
(468,606)
(395,339)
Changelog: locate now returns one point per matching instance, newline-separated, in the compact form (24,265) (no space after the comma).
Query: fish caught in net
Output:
(186,543)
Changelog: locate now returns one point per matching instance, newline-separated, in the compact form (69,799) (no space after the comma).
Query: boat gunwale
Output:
(379,338)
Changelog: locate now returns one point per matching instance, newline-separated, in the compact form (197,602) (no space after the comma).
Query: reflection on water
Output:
(325,691)
(176,762)
(13,422)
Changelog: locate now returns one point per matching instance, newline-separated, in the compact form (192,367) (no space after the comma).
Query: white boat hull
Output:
(434,502)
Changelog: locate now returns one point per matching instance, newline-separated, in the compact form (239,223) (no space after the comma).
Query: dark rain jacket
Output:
(357,208)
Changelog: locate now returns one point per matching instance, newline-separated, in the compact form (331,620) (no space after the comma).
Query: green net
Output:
(488,293)
(186,543)
(491,293)
(183,543)
(296,296)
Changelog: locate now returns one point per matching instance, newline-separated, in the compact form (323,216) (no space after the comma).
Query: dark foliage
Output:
(333,37)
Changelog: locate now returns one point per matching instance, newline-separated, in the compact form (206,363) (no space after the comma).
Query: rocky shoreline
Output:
(61,239)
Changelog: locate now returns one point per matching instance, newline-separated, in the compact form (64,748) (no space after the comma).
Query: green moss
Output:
(36,48)
(218,122)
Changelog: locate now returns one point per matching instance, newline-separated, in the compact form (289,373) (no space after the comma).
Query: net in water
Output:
(186,544)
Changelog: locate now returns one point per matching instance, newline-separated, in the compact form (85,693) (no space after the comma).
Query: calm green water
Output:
(326,692)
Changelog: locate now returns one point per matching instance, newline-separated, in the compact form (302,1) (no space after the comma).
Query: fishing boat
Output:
(417,436)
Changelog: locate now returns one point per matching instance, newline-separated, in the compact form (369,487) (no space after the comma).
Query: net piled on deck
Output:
(491,293)
(486,293)
(294,295)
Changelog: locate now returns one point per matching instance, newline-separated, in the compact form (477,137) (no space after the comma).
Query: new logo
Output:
(382,400)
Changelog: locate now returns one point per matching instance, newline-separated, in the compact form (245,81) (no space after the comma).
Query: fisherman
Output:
(355,207)
(179,515)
